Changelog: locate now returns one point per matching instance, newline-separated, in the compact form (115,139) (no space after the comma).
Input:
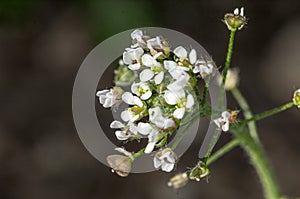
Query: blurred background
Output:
(42,45)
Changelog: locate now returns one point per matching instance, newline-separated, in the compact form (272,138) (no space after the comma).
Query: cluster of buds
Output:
(236,20)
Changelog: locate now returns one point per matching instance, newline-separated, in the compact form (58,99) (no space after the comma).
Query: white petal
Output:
(225,126)
(236,11)
(226,115)
(122,150)
(134,88)
(180,52)
(242,11)
(154,113)
(146,95)
(193,56)
(169,123)
(121,136)
(149,148)
(218,122)
(126,116)
(102,99)
(144,128)
(146,75)
(134,66)
(128,98)
(136,34)
(159,77)
(137,101)
(170,98)
(137,53)
(190,101)
(127,57)
(116,125)
(179,113)
(169,65)
(107,103)
(148,60)
(157,162)
(102,92)
(167,167)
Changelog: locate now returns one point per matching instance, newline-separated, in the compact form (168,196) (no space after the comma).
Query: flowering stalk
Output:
(229,54)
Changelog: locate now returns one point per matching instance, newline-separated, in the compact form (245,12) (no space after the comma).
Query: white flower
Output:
(156,117)
(236,20)
(131,57)
(137,39)
(204,68)
(177,97)
(147,129)
(182,54)
(136,112)
(223,121)
(157,44)
(155,69)
(176,71)
(110,98)
(142,90)
(165,160)
(127,131)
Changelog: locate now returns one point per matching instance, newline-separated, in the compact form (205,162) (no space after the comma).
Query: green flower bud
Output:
(296,98)
(199,171)
(236,20)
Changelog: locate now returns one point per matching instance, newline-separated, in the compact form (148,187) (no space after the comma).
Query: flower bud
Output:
(120,164)
(199,171)
(296,98)
(236,20)
(232,79)
(178,180)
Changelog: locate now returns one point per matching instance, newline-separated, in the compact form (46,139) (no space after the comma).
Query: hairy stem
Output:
(229,54)
(246,111)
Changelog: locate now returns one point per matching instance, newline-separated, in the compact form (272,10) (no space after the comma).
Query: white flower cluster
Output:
(161,94)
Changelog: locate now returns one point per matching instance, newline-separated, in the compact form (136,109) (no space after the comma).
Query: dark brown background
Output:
(42,44)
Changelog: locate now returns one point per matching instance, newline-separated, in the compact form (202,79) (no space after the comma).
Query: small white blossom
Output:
(236,20)
(137,39)
(232,79)
(147,129)
(126,131)
(155,69)
(142,90)
(136,112)
(131,57)
(182,53)
(110,98)
(178,97)
(165,159)
(223,121)
(156,117)
(204,68)
(176,71)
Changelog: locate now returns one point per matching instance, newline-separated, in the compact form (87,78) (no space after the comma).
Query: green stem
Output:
(260,163)
(137,154)
(246,111)
(222,151)
(229,54)
(268,113)
(205,91)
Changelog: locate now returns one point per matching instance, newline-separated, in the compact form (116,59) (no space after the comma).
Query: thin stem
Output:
(205,91)
(229,54)
(269,113)
(246,111)
(137,154)
(232,144)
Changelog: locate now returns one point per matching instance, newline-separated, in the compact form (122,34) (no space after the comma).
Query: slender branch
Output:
(228,147)
(268,113)
(246,111)
(205,91)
